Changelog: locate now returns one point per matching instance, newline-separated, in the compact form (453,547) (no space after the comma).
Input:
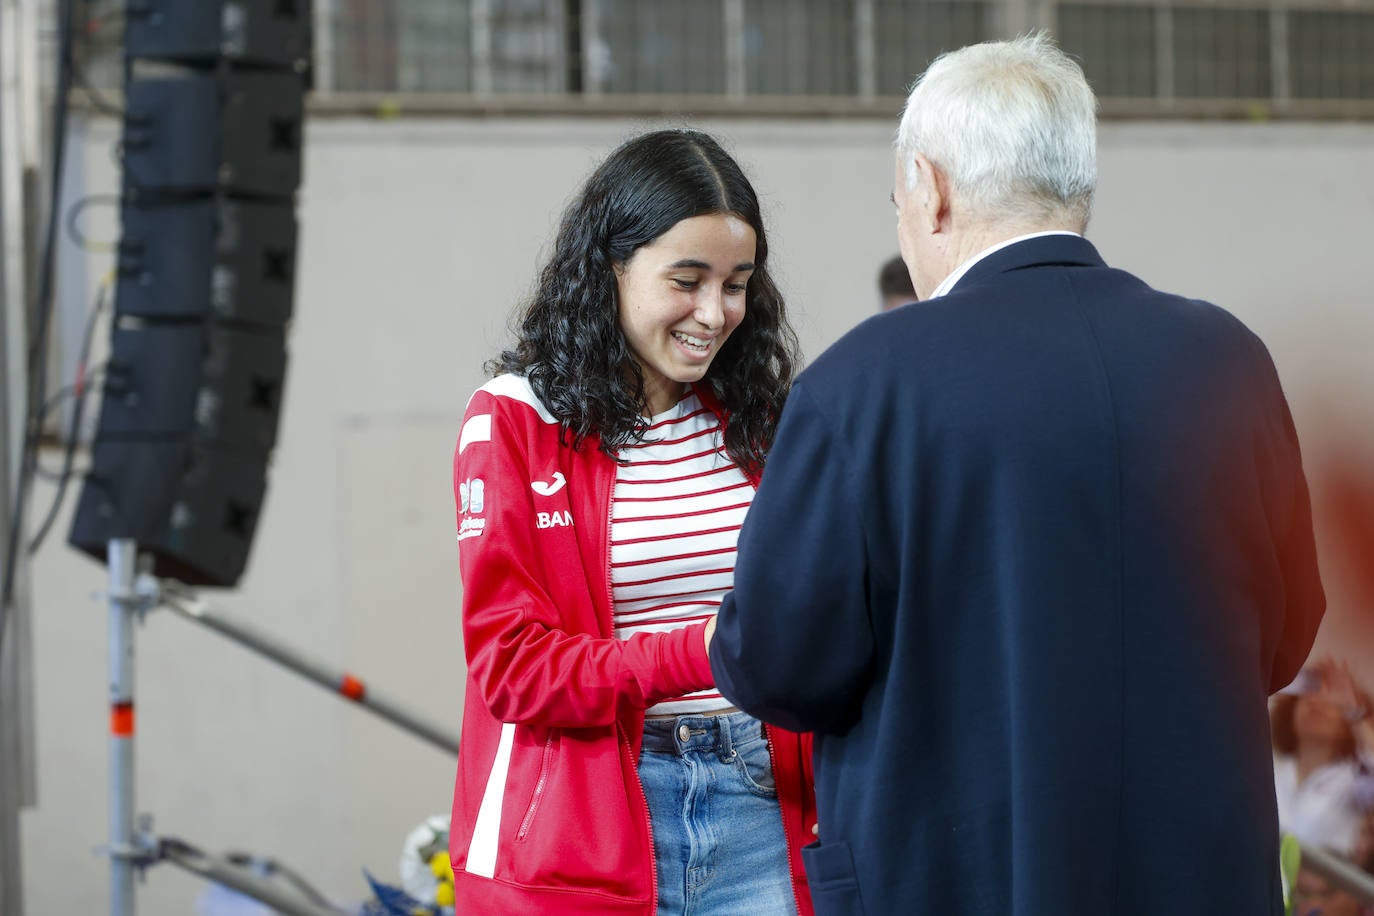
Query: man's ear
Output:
(931,194)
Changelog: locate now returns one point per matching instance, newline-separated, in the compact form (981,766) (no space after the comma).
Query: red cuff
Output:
(679,663)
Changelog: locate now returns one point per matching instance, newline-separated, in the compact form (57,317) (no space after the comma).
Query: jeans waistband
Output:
(685,734)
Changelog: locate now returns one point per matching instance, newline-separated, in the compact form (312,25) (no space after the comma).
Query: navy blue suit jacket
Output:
(1029,559)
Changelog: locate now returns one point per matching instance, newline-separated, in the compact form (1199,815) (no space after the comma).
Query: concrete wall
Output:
(418,238)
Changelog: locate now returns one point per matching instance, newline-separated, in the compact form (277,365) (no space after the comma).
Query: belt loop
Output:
(727,747)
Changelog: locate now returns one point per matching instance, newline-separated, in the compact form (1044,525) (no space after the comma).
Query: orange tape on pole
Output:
(352,688)
(122,720)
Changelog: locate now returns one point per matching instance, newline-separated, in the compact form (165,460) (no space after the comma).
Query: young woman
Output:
(1323,737)
(602,476)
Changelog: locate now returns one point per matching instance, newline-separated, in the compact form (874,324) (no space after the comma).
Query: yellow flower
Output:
(441,867)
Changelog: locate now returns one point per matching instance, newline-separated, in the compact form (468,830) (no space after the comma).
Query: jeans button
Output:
(683,733)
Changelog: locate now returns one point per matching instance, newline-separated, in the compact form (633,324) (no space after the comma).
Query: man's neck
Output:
(978,238)
(970,245)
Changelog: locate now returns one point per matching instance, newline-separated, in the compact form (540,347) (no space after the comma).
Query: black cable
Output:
(75,388)
(38,345)
(82,388)
(51,476)
(273,868)
(96,99)
(269,867)
(77,208)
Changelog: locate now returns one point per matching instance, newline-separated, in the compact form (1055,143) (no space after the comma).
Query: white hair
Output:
(1012,124)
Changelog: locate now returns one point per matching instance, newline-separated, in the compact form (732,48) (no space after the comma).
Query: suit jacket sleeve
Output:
(528,666)
(794,642)
(1304,599)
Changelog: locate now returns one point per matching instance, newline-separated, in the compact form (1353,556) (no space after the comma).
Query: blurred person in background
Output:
(1323,738)
(1362,854)
(1315,895)
(894,284)
(601,479)
(1030,558)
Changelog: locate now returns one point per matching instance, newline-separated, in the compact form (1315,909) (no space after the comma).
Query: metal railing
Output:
(1339,874)
(133,847)
(1146,58)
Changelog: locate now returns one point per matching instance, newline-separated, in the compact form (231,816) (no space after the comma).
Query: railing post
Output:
(1164,56)
(866,49)
(482,78)
(124,602)
(322,52)
(735,81)
(1280,70)
(595,54)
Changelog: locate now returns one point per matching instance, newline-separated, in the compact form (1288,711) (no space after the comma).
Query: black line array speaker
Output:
(205,283)
(268,33)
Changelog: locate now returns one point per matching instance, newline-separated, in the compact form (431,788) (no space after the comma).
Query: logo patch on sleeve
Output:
(471,501)
(472,495)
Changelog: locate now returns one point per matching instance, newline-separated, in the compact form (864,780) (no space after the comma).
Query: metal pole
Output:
(124,602)
(1279,63)
(322,38)
(866,49)
(327,676)
(1343,875)
(555,38)
(736,81)
(1164,55)
(483,81)
(242,880)
(596,59)
(19,152)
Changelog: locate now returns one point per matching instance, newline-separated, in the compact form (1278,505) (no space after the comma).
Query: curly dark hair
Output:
(569,340)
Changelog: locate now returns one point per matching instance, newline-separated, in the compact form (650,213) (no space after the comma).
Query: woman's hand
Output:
(708,634)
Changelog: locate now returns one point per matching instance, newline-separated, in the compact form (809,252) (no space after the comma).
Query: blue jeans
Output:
(718,836)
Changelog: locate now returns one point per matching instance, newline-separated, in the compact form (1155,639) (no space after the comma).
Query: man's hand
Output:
(707,634)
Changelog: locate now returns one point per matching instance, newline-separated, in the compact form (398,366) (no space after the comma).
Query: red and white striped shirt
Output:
(675,519)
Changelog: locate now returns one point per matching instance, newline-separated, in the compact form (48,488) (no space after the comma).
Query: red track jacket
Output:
(548,812)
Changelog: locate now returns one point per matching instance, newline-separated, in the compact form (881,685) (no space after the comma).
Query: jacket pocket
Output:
(540,784)
(585,828)
(830,875)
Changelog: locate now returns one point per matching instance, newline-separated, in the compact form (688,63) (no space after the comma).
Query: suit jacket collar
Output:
(1044,251)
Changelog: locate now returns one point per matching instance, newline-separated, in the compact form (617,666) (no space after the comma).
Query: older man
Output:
(1030,558)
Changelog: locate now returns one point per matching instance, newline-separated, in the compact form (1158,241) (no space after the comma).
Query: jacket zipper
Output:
(648,831)
(625,739)
(538,788)
(787,840)
(610,596)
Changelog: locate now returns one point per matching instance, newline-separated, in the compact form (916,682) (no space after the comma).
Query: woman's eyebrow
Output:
(693,263)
